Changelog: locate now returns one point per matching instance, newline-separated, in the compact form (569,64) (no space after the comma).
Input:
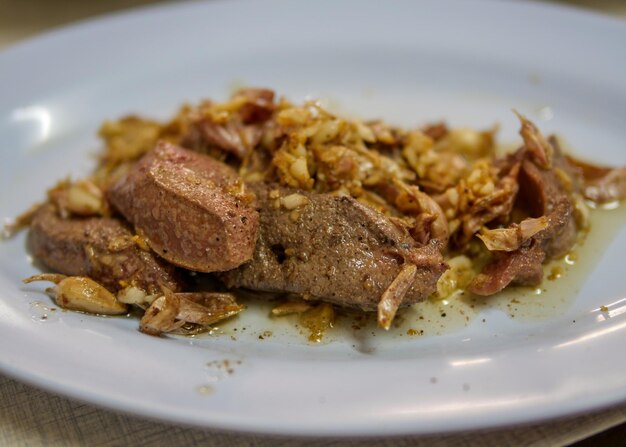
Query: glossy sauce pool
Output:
(563,280)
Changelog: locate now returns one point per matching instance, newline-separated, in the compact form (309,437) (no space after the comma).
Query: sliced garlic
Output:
(82,294)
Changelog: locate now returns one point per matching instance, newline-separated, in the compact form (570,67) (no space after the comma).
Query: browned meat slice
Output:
(100,248)
(524,266)
(521,267)
(335,249)
(542,194)
(190,208)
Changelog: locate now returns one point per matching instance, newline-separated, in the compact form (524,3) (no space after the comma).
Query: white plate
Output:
(408,62)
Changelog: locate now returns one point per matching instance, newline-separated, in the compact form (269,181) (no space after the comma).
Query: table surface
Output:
(32,417)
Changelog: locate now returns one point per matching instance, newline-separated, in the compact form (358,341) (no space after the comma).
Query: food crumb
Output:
(205,390)
(604,308)
(265,334)
(223,367)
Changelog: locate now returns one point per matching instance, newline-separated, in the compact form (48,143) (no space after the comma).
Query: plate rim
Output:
(33,379)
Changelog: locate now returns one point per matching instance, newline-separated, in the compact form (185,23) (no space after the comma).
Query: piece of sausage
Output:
(189,207)
(98,247)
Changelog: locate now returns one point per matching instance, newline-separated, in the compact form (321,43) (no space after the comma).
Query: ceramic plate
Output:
(407,62)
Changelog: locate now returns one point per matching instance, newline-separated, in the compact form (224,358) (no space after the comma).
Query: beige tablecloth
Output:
(31,417)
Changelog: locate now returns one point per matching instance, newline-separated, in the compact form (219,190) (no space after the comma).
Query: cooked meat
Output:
(610,187)
(238,135)
(332,248)
(601,184)
(101,248)
(542,193)
(190,208)
(355,213)
(430,220)
(521,267)
(436,131)
(258,104)
(227,137)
